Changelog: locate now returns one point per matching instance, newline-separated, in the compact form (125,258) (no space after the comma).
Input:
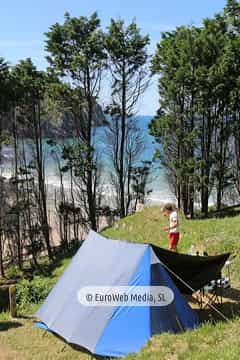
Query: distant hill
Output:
(63,126)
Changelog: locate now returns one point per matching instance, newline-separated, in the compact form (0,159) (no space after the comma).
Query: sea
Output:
(158,184)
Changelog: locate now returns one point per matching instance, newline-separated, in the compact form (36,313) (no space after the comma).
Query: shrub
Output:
(13,272)
(34,291)
(5,316)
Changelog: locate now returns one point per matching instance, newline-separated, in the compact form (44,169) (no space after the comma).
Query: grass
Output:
(213,340)
(215,235)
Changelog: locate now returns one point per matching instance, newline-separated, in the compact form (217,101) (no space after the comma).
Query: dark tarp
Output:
(196,271)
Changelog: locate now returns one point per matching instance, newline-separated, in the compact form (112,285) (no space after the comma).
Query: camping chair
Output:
(213,292)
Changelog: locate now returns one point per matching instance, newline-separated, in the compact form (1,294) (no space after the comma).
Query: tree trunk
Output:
(206,157)
(2,272)
(41,179)
(18,234)
(191,201)
(91,202)
(0,137)
(90,194)
(205,197)
(128,186)
(122,146)
(237,159)
(185,197)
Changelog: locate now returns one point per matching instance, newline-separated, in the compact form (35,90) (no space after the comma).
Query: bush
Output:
(5,316)
(34,291)
(13,272)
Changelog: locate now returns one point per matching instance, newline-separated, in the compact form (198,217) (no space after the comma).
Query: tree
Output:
(4,98)
(140,181)
(76,54)
(3,210)
(5,116)
(176,61)
(194,124)
(30,90)
(134,146)
(127,53)
(213,90)
(231,61)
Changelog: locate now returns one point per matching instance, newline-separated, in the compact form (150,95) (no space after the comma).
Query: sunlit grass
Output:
(212,341)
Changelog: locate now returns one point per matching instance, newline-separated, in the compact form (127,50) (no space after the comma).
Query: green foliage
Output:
(5,316)
(5,87)
(126,45)
(140,181)
(127,54)
(78,157)
(30,83)
(34,291)
(13,272)
(76,53)
(76,46)
(197,122)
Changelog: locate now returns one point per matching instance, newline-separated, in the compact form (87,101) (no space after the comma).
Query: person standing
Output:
(170,211)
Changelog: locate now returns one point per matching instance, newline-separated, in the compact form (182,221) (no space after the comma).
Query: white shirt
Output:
(173,219)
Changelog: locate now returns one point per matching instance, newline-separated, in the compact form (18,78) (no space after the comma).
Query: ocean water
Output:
(158,182)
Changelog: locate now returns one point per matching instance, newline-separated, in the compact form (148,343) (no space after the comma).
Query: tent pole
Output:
(193,290)
(179,323)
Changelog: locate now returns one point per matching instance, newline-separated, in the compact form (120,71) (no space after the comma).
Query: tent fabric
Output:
(95,264)
(129,327)
(176,317)
(41,325)
(118,331)
(196,271)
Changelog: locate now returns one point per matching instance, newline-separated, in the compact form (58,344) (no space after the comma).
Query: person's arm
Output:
(174,225)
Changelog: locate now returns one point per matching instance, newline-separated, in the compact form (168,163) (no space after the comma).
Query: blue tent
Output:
(105,330)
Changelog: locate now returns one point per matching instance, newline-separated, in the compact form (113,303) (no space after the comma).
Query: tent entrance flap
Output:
(193,272)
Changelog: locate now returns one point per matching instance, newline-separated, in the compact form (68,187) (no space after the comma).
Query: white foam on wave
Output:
(107,189)
(160,197)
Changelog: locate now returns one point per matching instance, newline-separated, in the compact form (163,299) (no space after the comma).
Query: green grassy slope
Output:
(20,340)
(212,235)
